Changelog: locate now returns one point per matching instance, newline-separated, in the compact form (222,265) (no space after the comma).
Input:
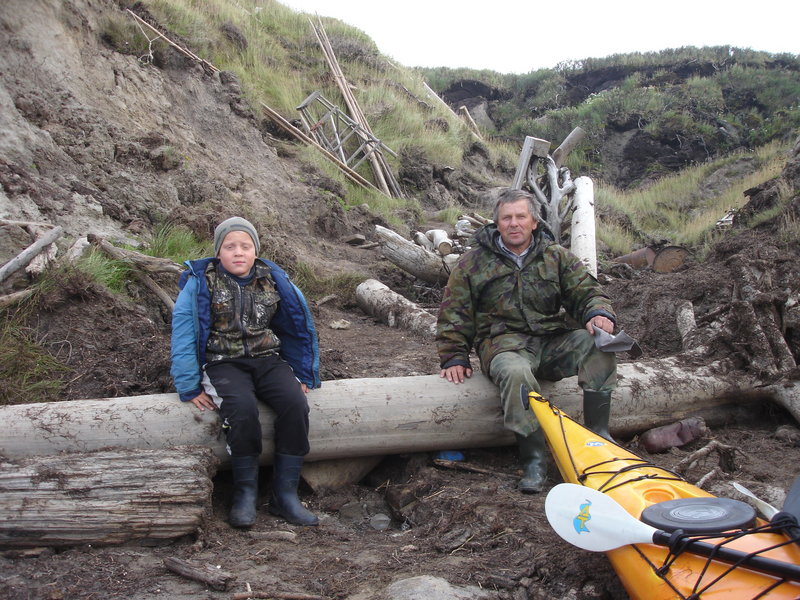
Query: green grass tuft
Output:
(316,287)
(108,272)
(177,244)
(28,373)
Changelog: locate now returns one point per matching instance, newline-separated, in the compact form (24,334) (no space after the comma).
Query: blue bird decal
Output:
(579,522)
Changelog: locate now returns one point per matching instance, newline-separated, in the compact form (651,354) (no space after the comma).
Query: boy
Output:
(242,332)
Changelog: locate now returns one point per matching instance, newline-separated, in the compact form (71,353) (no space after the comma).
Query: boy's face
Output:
(237,253)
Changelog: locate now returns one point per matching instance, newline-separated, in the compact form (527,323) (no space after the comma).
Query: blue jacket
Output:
(191,320)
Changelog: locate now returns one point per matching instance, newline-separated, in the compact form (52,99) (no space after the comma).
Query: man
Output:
(511,297)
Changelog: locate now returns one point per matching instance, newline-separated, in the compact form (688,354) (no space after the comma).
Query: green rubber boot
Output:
(285,480)
(533,456)
(245,491)
(596,412)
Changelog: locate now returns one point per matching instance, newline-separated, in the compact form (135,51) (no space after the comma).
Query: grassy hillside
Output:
(728,98)
(690,111)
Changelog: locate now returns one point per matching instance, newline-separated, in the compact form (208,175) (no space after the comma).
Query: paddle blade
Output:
(593,521)
(763,507)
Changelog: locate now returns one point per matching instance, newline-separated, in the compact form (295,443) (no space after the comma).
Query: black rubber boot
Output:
(533,456)
(245,491)
(284,501)
(596,411)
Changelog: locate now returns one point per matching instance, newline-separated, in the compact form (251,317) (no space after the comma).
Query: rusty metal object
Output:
(669,259)
(662,260)
(643,257)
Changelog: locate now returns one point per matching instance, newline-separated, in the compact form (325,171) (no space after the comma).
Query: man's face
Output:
(516,225)
(237,253)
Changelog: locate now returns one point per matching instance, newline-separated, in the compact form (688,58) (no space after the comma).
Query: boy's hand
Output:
(203,401)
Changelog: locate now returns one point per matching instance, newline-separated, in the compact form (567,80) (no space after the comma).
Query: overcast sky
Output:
(519,36)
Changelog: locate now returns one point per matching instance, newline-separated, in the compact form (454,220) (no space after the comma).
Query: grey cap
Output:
(234,224)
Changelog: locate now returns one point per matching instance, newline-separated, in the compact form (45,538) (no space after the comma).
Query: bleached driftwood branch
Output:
(27,255)
(145,263)
(151,264)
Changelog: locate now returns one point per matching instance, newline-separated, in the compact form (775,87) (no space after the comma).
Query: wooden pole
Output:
(383,172)
(583,240)
(294,131)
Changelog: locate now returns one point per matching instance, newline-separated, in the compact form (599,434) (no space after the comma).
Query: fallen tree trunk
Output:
(104,497)
(421,263)
(393,309)
(369,417)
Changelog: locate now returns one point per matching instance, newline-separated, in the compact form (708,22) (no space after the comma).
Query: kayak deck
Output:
(649,571)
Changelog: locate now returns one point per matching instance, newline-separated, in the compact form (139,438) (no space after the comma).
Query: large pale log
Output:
(378,300)
(104,497)
(369,417)
(414,259)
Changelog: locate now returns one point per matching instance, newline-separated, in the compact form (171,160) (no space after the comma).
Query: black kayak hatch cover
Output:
(700,515)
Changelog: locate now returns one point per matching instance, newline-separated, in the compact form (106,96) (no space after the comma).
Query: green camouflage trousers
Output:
(552,358)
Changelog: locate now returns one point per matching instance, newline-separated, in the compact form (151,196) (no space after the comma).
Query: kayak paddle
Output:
(765,508)
(589,519)
(789,517)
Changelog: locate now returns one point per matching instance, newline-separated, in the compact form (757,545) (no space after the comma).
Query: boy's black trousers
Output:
(238,384)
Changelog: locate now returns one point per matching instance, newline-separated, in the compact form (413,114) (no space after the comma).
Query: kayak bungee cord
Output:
(680,546)
(581,476)
(613,473)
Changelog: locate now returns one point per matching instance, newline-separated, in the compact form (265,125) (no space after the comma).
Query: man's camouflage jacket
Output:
(496,306)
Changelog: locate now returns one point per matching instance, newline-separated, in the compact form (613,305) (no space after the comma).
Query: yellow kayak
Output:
(649,571)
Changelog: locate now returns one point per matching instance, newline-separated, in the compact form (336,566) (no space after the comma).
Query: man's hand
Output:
(600,322)
(203,401)
(456,374)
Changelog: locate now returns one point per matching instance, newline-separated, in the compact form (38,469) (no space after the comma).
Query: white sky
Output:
(519,36)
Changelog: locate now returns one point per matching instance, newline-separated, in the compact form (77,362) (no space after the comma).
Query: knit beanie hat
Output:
(234,224)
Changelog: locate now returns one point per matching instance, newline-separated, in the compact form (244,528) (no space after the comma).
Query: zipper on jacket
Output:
(240,317)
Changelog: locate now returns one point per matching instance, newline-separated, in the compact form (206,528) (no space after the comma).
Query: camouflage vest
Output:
(241,315)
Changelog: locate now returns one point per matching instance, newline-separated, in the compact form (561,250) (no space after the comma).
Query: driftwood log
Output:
(142,263)
(27,255)
(151,264)
(104,497)
(369,417)
(440,240)
(206,574)
(416,260)
(393,309)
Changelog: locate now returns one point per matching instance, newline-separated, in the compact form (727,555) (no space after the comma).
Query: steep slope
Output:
(97,142)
